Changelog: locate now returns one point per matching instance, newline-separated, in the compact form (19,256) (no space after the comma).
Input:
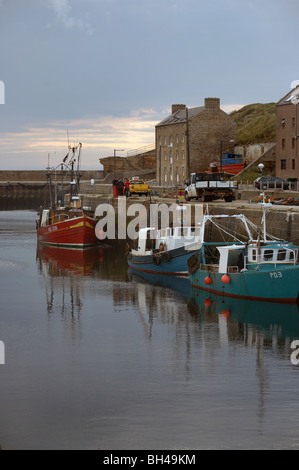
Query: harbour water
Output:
(97,357)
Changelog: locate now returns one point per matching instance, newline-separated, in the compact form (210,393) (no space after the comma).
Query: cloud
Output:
(62,10)
(229,108)
(99,136)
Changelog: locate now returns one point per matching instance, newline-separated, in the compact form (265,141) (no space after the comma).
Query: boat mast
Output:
(75,173)
(78,176)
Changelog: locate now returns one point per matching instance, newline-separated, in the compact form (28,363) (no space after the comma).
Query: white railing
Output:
(140,150)
(290,186)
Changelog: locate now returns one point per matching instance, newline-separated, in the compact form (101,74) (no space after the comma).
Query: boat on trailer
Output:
(250,267)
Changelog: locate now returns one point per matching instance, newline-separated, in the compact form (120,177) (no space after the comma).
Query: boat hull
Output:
(277,285)
(76,232)
(176,265)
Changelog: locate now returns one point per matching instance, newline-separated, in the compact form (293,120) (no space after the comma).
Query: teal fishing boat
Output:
(252,265)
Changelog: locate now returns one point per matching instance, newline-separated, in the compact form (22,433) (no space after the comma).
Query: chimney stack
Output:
(212,103)
(177,107)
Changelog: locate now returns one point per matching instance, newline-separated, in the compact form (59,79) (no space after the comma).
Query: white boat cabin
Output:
(252,256)
(277,254)
(167,239)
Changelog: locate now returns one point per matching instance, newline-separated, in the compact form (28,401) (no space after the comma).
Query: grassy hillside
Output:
(256,123)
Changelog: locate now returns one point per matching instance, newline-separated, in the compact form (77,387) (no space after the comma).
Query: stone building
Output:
(190,139)
(287,129)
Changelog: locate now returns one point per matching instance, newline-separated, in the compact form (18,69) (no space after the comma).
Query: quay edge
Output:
(282,221)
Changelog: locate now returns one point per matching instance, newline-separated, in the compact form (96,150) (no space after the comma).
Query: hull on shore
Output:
(76,232)
(277,285)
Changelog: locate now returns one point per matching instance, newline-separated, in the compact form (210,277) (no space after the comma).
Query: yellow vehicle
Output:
(138,186)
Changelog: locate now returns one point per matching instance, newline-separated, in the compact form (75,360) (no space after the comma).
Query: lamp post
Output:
(114,158)
(231,141)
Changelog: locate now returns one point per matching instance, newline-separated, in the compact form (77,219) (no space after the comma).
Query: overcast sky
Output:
(107,71)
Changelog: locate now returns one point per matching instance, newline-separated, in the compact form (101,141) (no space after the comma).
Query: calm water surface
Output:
(98,358)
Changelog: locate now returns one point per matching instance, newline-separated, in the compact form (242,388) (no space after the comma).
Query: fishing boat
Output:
(251,265)
(164,251)
(66,223)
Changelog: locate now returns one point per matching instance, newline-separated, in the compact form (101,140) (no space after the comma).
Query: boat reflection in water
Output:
(272,319)
(62,270)
(65,273)
(238,317)
(180,285)
(60,261)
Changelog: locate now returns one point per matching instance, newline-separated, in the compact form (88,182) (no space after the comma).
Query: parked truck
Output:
(209,186)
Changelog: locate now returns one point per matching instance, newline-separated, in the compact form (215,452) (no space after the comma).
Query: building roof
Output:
(180,116)
(290,98)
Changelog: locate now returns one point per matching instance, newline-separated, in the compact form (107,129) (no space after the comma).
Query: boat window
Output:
(268,255)
(281,255)
(291,256)
(253,255)
(150,241)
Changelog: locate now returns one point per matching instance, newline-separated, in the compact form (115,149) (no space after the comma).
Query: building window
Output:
(165,155)
(177,154)
(170,156)
(283,144)
(171,174)
(183,138)
(165,174)
(293,122)
(159,140)
(177,174)
(183,154)
(183,171)
(177,139)
(170,140)
(293,164)
(165,140)
(283,123)
(283,164)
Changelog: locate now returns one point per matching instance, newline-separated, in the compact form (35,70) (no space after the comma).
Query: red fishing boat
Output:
(71,224)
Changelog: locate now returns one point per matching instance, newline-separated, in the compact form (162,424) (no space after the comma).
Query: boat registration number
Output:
(52,229)
(276,275)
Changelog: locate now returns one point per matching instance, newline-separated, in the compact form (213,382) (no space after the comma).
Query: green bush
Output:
(248,176)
